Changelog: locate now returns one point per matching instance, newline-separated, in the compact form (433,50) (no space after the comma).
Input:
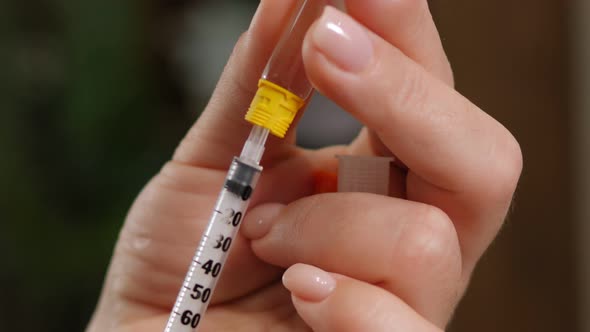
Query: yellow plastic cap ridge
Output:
(274,108)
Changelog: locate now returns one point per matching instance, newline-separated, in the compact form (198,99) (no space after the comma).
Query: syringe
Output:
(282,92)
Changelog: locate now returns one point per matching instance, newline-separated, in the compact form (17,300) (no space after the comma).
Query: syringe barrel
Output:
(285,67)
(204,271)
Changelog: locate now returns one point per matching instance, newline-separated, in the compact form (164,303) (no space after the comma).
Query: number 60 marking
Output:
(188,319)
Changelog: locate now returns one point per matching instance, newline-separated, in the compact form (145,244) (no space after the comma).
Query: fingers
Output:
(430,127)
(407,248)
(409,26)
(161,233)
(164,226)
(334,303)
(221,130)
(459,158)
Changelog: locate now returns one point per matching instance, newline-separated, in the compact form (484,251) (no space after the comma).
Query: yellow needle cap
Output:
(274,108)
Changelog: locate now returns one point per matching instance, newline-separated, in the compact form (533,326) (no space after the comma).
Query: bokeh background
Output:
(94,96)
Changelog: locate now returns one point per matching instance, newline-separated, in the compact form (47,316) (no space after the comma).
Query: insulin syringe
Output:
(282,92)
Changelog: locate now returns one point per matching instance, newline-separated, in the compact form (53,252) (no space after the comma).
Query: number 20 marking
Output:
(234,218)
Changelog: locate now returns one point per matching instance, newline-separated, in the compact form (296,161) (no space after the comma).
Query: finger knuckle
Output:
(508,168)
(429,242)
(514,160)
(304,215)
(446,71)
(412,90)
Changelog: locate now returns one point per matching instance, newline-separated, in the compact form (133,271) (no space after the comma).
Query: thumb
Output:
(221,130)
(334,303)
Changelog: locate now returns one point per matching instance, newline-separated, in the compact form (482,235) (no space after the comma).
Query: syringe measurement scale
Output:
(211,254)
(282,92)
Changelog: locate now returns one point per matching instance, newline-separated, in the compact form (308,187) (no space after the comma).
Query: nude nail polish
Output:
(308,282)
(342,40)
(260,220)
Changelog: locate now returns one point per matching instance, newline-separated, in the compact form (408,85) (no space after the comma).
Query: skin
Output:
(401,263)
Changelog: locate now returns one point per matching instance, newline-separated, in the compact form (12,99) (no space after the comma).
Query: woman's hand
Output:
(397,263)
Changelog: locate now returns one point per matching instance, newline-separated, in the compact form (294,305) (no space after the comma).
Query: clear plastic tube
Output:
(285,67)
(254,146)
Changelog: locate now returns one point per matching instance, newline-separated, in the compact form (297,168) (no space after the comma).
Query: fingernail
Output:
(309,283)
(259,220)
(342,40)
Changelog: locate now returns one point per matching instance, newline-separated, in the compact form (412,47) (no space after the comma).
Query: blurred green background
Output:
(90,111)
(95,95)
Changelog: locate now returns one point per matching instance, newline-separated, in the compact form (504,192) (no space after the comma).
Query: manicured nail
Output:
(342,40)
(309,283)
(259,220)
